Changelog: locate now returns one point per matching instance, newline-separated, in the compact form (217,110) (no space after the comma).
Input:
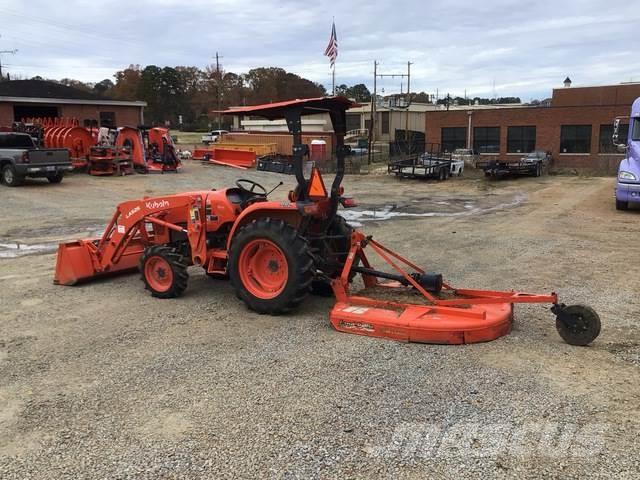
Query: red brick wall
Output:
(547,121)
(6,114)
(125,116)
(623,94)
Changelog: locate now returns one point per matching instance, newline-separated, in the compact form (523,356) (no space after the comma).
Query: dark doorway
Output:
(407,143)
(29,111)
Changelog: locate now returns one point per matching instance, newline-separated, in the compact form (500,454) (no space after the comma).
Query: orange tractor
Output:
(275,253)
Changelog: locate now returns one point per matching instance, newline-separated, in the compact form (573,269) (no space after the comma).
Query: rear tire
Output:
(620,205)
(164,271)
(270,266)
(10,176)
(57,178)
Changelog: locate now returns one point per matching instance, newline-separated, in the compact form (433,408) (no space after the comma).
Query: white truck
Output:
(213,136)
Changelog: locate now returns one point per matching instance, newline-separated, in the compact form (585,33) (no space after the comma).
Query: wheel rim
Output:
(8,175)
(158,273)
(263,269)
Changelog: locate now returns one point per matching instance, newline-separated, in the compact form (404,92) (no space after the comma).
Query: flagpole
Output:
(334,79)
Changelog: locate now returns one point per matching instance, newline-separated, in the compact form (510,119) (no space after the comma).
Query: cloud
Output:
(524,49)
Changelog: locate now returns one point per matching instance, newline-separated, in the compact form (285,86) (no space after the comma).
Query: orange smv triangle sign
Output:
(316,185)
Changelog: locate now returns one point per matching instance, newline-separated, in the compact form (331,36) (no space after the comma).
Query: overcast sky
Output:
(524,48)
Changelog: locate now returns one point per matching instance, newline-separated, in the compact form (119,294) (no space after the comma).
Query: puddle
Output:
(18,249)
(452,208)
(49,239)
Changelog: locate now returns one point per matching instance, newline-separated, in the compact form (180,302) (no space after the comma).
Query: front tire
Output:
(270,266)
(164,271)
(620,205)
(10,176)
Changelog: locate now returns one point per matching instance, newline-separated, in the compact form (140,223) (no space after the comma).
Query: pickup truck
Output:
(20,158)
(213,136)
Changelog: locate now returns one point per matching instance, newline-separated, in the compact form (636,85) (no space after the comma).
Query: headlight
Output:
(626,176)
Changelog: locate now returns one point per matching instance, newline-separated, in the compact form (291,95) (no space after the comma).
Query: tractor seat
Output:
(242,198)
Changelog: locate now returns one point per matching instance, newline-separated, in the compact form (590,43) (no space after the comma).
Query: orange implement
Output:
(239,158)
(447,315)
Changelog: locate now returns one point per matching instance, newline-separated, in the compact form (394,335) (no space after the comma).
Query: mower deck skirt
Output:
(425,323)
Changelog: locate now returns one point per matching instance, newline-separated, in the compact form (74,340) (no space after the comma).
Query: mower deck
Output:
(413,322)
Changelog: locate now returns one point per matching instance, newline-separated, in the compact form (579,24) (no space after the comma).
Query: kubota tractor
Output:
(275,253)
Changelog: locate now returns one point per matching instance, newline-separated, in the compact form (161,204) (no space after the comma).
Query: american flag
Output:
(332,48)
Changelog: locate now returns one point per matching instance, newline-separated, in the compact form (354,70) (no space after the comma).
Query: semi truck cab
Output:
(628,184)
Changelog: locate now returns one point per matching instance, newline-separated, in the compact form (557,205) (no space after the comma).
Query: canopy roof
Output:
(308,106)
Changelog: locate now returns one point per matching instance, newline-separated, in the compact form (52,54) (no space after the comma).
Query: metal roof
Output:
(309,106)
(71,101)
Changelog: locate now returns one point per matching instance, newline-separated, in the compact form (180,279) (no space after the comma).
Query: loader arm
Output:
(134,226)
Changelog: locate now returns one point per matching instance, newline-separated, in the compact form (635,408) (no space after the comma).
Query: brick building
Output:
(37,98)
(576,127)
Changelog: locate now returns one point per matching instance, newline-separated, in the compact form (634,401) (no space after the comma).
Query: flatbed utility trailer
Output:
(533,164)
(431,164)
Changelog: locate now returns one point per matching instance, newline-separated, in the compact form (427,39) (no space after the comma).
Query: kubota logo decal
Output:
(155,205)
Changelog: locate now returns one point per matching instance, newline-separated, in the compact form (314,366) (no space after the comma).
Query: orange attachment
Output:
(130,139)
(452,316)
(239,158)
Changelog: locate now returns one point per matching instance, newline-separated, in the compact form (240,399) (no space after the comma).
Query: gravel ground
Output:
(103,381)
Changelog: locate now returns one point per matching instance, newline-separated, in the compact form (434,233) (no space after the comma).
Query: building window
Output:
(486,139)
(453,137)
(353,121)
(521,139)
(108,119)
(606,137)
(575,139)
(384,122)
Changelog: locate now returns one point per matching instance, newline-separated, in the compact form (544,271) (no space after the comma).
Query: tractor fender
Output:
(285,210)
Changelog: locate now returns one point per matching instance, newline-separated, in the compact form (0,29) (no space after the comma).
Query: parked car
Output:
(213,136)
(534,163)
(20,158)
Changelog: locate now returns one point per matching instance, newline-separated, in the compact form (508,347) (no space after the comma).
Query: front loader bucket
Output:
(78,261)
(75,262)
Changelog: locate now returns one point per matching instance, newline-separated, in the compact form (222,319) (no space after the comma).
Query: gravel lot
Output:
(104,381)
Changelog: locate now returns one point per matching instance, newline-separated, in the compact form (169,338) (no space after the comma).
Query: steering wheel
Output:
(252,188)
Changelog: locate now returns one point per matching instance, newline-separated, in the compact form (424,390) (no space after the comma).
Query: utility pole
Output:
(373,112)
(377,75)
(218,87)
(5,52)
(406,126)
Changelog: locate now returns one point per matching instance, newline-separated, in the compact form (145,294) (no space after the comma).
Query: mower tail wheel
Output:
(577,324)
(164,271)
(270,266)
